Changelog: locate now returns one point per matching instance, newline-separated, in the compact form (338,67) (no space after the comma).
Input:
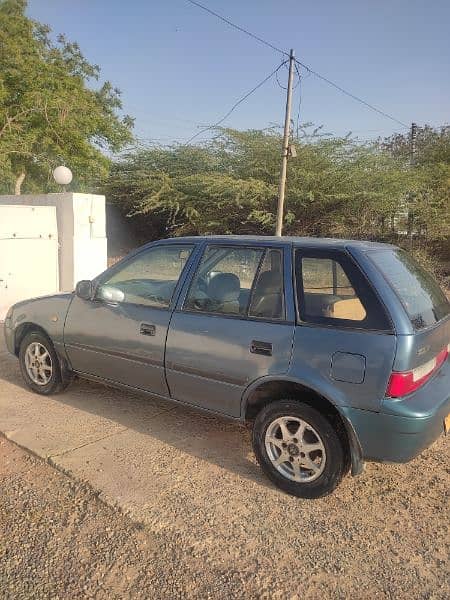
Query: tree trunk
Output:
(18,184)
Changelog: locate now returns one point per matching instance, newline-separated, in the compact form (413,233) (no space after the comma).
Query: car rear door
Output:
(120,335)
(233,324)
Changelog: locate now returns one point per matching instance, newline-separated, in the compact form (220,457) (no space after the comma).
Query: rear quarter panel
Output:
(316,348)
(311,365)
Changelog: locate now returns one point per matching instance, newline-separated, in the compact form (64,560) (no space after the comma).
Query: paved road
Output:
(192,481)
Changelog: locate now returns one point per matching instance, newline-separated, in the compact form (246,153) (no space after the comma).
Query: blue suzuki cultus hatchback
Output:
(336,351)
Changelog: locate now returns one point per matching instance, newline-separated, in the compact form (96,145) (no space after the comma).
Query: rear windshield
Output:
(423,299)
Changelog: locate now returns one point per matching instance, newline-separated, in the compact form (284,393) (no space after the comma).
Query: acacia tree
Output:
(429,205)
(48,114)
(335,186)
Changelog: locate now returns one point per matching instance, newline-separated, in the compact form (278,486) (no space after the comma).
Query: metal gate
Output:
(28,253)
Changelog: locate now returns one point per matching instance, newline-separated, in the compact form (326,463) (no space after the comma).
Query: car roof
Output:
(307,242)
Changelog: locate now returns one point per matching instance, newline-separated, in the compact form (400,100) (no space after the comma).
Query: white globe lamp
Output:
(62,175)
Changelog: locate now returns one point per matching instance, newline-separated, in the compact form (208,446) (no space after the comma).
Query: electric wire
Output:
(284,87)
(315,73)
(241,29)
(344,91)
(236,104)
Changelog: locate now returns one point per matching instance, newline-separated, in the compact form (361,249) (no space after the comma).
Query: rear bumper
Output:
(405,427)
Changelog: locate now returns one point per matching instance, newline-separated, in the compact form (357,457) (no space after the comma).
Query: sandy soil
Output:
(201,520)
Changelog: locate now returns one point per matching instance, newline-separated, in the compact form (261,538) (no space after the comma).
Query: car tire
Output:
(43,374)
(298,449)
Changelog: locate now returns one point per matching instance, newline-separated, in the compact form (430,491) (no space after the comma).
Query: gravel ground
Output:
(58,540)
(201,521)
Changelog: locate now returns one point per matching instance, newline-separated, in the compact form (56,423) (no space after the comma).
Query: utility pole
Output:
(412,162)
(413,148)
(285,150)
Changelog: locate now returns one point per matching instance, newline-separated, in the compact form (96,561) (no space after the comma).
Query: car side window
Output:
(268,293)
(149,278)
(224,280)
(332,290)
(327,292)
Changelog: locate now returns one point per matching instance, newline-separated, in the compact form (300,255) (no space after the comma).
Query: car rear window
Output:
(423,299)
(333,291)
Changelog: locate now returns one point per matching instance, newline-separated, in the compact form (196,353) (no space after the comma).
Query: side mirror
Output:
(84,289)
(110,294)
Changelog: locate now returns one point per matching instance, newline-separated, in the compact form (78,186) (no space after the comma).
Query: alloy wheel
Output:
(295,449)
(38,364)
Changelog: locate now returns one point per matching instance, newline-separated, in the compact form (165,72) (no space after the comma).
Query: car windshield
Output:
(423,299)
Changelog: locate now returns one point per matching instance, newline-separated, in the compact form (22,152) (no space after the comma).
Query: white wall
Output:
(81,232)
(28,253)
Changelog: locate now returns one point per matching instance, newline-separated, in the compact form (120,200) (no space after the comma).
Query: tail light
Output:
(405,382)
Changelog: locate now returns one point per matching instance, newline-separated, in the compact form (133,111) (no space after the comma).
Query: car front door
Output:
(120,335)
(233,324)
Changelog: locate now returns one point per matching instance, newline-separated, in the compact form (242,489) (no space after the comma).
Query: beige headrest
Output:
(351,309)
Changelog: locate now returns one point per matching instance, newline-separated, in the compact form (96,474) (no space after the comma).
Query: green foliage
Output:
(430,202)
(192,187)
(49,111)
(335,186)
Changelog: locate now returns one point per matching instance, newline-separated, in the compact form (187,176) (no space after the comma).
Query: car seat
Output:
(223,291)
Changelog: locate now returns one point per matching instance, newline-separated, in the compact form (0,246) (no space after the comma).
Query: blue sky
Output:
(178,67)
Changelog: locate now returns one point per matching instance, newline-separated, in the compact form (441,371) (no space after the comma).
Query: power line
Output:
(225,20)
(236,104)
(315,73)
(284,87)
(341,89)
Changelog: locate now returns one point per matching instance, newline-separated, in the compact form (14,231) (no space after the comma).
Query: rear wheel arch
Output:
(282,389)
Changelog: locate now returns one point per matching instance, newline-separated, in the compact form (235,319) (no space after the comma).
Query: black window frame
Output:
(241,316)
(377,318)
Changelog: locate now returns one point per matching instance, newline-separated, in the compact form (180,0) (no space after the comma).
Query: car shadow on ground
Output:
(217,440)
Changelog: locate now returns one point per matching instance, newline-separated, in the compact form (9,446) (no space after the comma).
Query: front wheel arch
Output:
(24,329)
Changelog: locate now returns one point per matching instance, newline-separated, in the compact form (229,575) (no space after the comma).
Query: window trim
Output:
(100,279)
(362,286)
(243,317)
(283,293)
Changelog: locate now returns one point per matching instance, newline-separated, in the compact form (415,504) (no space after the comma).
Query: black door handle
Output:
(264,348)
(147,329)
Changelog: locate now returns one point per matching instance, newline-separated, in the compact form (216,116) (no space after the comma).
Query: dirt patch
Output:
(57,540)
(201,519)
